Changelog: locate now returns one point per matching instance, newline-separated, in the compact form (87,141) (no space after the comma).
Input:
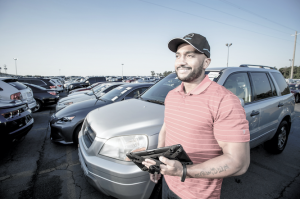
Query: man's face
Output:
(189,63)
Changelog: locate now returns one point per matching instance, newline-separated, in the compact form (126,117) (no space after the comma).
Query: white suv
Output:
(11,89)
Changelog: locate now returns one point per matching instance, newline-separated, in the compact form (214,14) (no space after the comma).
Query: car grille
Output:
(88,134)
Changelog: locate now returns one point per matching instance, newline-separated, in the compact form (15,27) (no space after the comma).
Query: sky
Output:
(95,37)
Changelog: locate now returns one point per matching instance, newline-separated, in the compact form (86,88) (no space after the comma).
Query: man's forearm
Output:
(162,137)
(219,167)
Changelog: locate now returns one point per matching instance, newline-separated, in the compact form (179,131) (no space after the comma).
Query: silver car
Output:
(11,89)
(104,88)
(106,137)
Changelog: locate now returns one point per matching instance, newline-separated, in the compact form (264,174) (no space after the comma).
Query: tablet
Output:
(174,152)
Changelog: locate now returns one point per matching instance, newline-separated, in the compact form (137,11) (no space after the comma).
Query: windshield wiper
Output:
(156,101)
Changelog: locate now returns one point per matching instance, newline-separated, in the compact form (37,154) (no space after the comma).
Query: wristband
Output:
(184,173)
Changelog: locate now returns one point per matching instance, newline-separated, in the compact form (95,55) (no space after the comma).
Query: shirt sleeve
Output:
(230,124)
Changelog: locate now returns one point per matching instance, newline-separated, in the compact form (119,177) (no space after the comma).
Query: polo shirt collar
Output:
(199,89)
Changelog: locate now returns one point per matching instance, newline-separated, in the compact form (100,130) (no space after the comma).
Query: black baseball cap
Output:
(197,41)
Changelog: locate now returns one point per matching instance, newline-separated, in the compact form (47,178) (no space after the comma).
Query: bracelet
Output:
(184,173)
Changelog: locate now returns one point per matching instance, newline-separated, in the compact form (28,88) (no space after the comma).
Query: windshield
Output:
(116,93)
(36,86)
(98,89)
(159,91)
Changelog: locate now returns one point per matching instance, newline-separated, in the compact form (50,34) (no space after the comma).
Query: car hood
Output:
(127,117)
(87,105)
(10,103)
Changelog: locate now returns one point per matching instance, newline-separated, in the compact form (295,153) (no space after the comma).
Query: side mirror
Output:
(242,102)
(87,82)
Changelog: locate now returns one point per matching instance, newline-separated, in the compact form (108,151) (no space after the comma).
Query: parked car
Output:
(86,82)
(86,89)
(106,137)
(42,96)
(89,92)
(66,123)
(58,84)
(39,81)
(104,88)
(11,89)
(295,89)
(15,120)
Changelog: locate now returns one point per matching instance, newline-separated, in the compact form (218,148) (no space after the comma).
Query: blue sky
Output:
(94,37)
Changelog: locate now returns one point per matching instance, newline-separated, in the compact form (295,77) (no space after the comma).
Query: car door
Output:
(266,97)
(240,85)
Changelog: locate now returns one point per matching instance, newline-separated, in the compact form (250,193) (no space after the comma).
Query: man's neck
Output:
(189,86)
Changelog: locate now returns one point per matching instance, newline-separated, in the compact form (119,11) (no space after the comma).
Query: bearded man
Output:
(207,120)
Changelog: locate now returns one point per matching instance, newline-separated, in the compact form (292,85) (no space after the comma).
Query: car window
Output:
(136,93)
(116,93)
(17,85)
(37,82)
(274,92)
(283,86)
(239,84)
(36,86)
(261,86)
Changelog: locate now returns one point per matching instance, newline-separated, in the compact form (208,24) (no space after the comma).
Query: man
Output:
(207,120)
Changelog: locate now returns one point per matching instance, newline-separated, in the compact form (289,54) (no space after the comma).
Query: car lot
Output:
(38,168)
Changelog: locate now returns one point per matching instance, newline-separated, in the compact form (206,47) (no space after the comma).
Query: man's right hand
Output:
(155,177)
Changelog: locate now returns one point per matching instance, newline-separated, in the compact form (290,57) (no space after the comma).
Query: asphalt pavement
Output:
(38,168)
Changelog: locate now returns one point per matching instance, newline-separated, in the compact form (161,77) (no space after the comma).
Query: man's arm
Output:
(162,137)
(234,161)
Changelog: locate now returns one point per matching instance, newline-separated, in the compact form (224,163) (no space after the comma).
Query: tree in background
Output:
(286,72)
(152,73)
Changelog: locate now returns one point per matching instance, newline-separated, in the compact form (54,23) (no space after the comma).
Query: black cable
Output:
(237,17)
(211,20)
(232,4)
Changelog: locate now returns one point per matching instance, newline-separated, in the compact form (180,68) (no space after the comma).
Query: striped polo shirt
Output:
(196,120)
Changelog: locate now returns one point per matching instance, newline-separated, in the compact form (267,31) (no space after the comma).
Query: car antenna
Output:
(93,91)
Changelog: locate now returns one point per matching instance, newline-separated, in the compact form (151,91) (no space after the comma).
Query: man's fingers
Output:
(167,161)
(152,162)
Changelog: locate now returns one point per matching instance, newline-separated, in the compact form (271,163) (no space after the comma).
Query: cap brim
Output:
(174,43)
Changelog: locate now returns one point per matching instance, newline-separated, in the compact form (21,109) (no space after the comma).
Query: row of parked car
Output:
(108,120)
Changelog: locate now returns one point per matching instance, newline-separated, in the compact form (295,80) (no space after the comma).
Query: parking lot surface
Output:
(38,168)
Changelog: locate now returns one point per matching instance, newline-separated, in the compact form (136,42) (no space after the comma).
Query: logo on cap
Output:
(206,49)
(189,36)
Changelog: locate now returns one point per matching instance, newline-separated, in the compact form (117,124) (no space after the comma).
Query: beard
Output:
(193,75)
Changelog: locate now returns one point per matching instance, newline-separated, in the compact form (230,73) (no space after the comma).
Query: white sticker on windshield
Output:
(213,75)
(113,99)
(128,88)
(124,91)
(119,88)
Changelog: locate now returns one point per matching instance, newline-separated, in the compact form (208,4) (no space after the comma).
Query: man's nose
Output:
(181,61)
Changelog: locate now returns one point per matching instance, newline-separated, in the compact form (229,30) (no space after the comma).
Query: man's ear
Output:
(206,63)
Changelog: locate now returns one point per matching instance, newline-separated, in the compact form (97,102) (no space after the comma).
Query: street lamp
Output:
(5,68)
(16,65)
(122,71)
(228,45)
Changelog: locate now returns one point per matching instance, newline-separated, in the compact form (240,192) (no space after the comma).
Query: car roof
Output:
(4,78)
(233,69)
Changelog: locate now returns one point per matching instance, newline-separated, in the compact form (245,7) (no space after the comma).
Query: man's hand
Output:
(171,167)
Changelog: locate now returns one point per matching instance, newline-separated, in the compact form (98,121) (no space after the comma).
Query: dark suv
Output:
(86,82)
(39,81)
(15,120)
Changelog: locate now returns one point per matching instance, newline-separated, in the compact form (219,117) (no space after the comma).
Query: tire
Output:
(157,191)
(76,133)
(297,98)
(277,144)
(38,106)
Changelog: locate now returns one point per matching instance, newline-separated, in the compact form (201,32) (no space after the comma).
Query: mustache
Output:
(185,67)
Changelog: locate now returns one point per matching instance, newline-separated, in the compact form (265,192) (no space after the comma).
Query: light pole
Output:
(290,61)
(122,71)
(5,68)
(228,45)
(292,70)
(16,65)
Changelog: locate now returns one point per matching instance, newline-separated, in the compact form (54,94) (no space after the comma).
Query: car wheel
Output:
(297,98)
(76,133)
(38,106)
(157,191)
(277,144)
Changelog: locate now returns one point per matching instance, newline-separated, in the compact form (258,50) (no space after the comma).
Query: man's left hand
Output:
(171,167)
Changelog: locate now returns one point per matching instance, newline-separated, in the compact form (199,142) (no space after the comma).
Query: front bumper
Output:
(32,104)
(120,180)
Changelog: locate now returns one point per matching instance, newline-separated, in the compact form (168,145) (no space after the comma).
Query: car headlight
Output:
(65,119)
(117,147)
(68,103)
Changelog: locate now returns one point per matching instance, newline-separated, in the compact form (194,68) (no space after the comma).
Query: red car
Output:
(295,89)
(85,88)
(132,80)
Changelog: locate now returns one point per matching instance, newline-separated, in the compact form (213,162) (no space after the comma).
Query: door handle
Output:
(280,104)
(254,113)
